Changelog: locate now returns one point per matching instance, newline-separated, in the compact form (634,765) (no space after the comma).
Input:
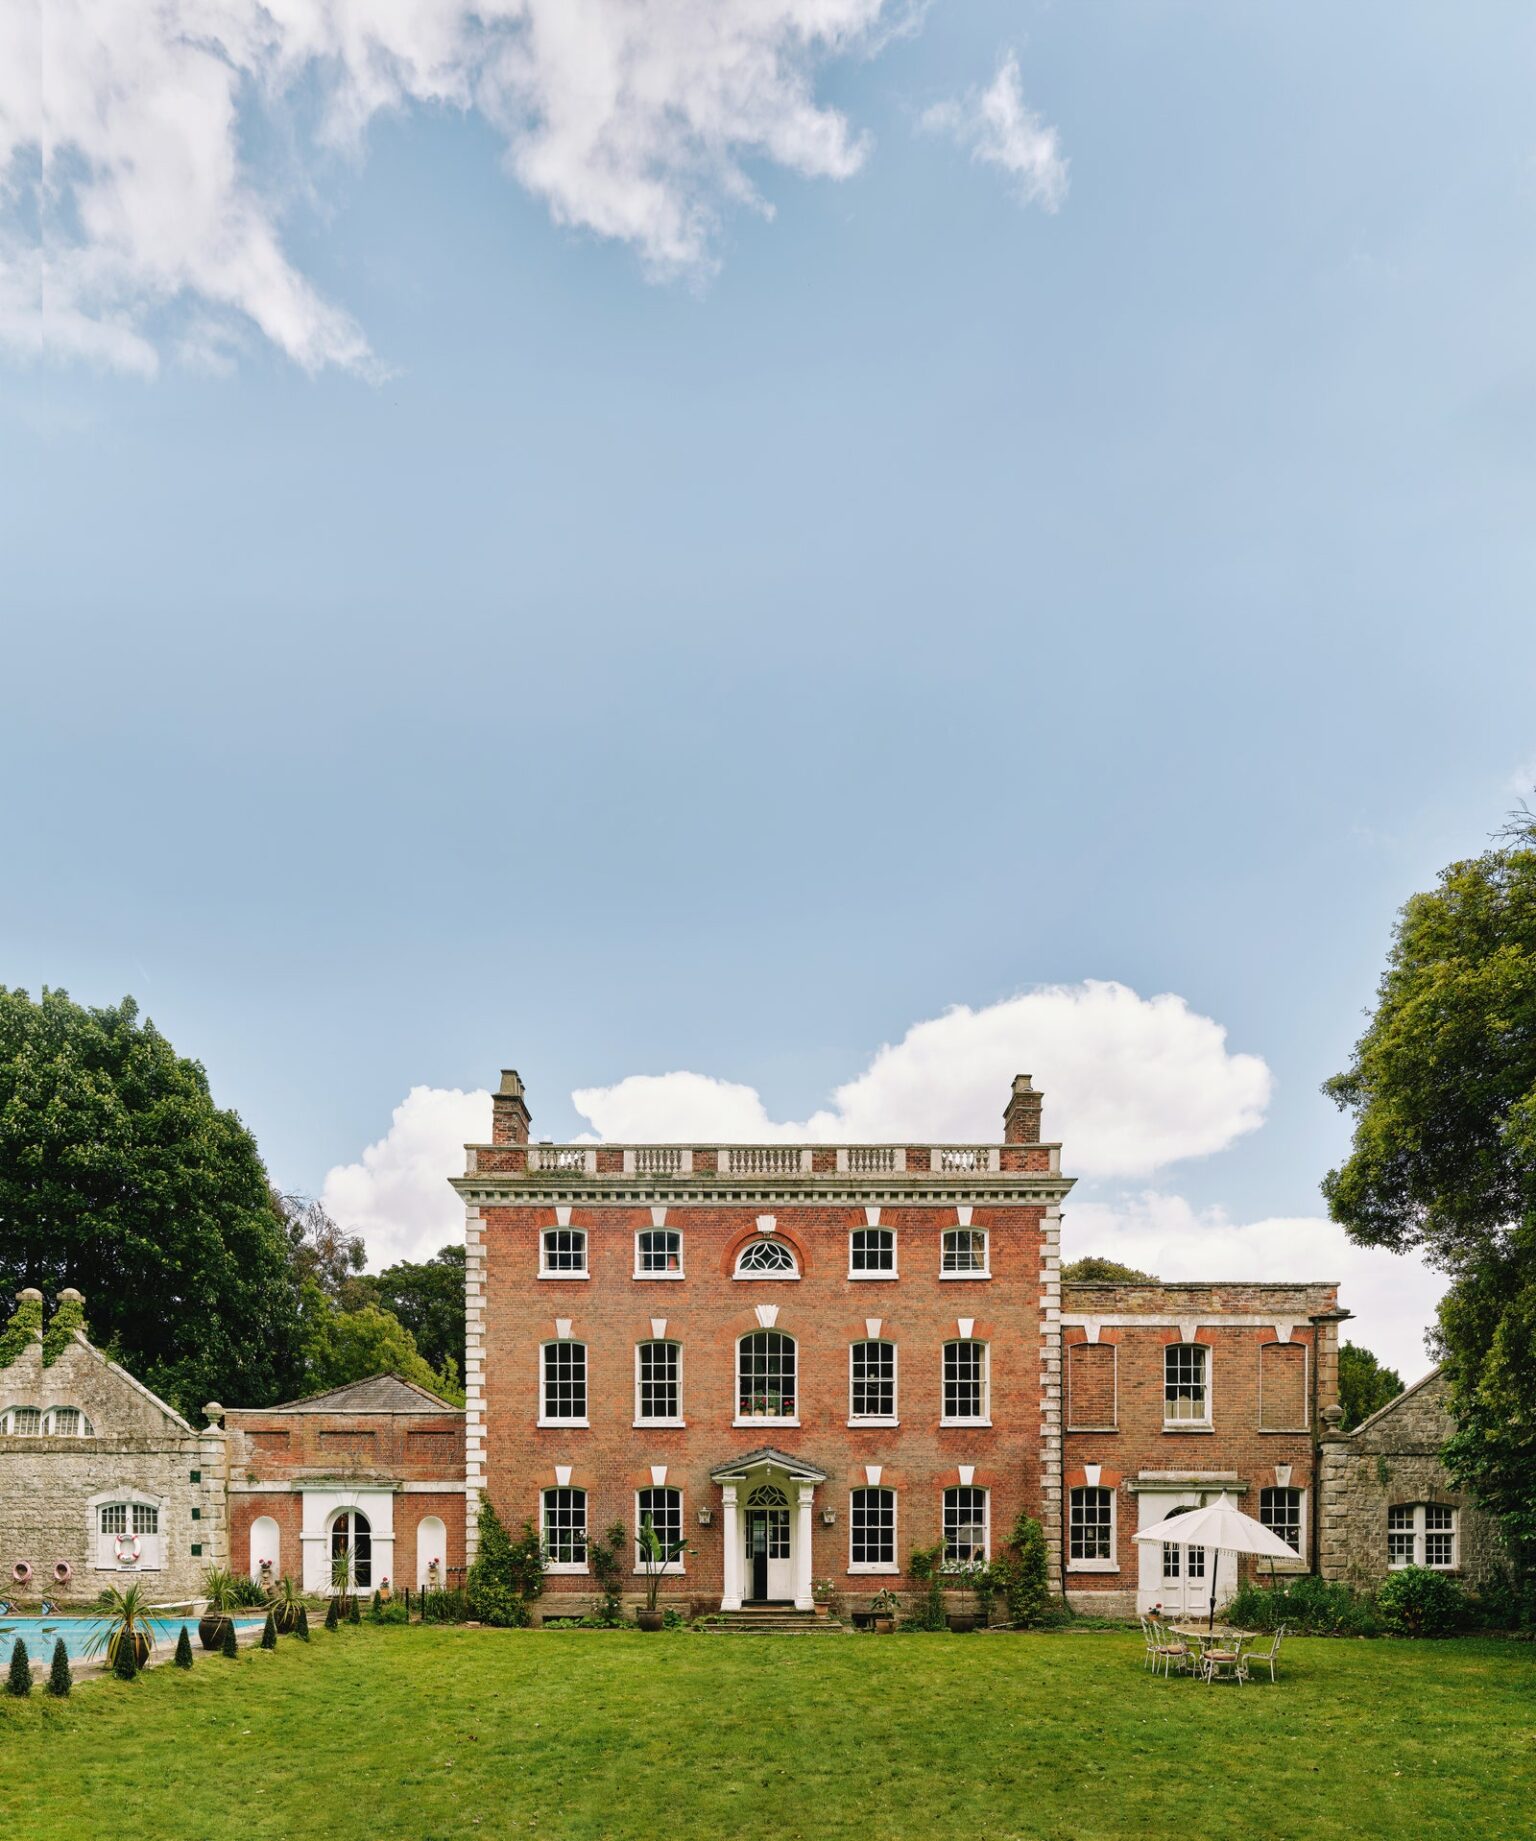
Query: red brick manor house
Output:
(812,1358)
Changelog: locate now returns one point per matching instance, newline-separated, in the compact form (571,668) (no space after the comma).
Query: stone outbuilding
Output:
(1389,1501)
(101,1482)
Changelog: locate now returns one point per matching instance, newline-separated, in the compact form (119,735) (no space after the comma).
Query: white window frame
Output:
(133,1503)
(546,1271)
(1112,1564)
(893,1418)
(9,1427)
(984,1270)
(672,1568)
(1301,1512)
(564,1342)
(647,1342)
(858,1274)
(881,1567)
(766,1419)
(567,1567)
(985,1418)
(665,1277)
(1418,1533)
(82,1430)
(1192,1425)
(962,1566)
(766,1278)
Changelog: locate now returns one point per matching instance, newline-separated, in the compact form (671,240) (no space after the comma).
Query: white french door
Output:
(769,1568)
(1172,1574)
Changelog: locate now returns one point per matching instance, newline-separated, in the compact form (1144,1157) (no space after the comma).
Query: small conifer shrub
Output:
(59,1678)
(354,1616)
(301,1628)
(183,1656)
(125,1658)
(19,1681)
(227,1645)
(332,1615)
(269,1633)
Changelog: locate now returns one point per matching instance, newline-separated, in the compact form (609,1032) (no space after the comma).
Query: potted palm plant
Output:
(222,1590)
(341,1582)
(126,1621)
(287,1602)
(656,1555)
(885,1604)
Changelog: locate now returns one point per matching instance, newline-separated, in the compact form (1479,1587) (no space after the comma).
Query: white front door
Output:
(768,1534)
(1172,1574)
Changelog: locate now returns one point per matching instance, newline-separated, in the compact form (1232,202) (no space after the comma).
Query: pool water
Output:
(40,1634)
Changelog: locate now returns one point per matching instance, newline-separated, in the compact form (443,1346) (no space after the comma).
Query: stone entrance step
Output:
(774,1620)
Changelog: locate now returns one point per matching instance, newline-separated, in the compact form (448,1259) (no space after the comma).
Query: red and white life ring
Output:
(63,1572)
(21,1572)
(131,1542)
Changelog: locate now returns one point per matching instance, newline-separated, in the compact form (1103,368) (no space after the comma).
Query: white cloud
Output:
(1131,1084)
(1001,130)
(397,1196)
(125,191)
(1393,1295)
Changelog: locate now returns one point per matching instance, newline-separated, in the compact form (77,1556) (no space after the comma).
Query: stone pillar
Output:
(213,1460)
(731,1534)
(803,1599)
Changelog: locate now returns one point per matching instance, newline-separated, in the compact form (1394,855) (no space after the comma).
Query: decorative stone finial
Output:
(1333,1417)
(29,1294)
(213,1412)
(70,1296)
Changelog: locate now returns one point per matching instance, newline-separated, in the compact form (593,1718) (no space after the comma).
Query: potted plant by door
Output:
(656,1555)
(341,1583)
(287,1603)
(126,1620)
(884,1605)
(222,1591)
(821,1597)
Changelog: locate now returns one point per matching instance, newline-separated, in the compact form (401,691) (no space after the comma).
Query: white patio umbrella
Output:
(1220,1527)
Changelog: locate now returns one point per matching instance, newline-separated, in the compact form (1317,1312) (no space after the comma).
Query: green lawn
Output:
(428,1734)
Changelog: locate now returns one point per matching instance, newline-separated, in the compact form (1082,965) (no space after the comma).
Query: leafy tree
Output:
(119,1175)
(1091,1269)
(317,1248)
(1365,1386)
(428,1298)
(349,1345)
(1442,1089)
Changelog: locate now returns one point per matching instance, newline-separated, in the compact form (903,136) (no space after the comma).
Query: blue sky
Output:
(907,599)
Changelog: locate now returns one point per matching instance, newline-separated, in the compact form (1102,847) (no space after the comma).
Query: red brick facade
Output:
(381,1449)
(1084,1403)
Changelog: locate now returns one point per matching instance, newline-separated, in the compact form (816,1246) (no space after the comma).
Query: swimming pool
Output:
(41,1633)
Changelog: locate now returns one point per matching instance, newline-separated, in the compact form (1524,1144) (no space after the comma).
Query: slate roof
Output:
(378,1393)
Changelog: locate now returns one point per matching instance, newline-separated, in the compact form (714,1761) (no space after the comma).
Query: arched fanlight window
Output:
(766,1259)
(66,1422)
(22,1421)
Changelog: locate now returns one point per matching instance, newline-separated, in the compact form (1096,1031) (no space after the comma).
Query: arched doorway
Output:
(767,1536)
(352,1547)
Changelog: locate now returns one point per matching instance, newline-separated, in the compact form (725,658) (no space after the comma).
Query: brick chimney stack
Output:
(509,1110)
(1021,1121)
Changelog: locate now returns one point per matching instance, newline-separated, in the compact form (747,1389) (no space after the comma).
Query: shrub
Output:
(1309,1605)
(269,1633)
(1419,1602)
(60,1681)
(392,1613)
(19,1681)
(183,1656)
(603,1557)
(301,1628)
(354,1615)
(332,1614)
(507,1575)
(445,1607)
(1504,1601)
(925,1568)
(227,1644)
(125,1656)
(246,1594)
(1024,1572)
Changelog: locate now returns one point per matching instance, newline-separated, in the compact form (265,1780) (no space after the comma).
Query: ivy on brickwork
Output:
(68,1316)
(17,1336)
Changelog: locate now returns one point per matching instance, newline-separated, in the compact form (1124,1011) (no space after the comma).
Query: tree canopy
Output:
(1442,1089)
(1091,1269)
(120,1176)
(428,1298)
(1365,1386)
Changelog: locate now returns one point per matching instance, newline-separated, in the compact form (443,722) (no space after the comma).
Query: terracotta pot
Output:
(884,1625)
(962,1622)
(286,1617)
(651,1620)
(141,1647)
(210,1629)
(821,1607)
